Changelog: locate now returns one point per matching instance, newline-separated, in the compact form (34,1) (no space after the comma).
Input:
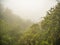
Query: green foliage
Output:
(51,24)
(48,33)
(31,37)
(11,27)
(15,31)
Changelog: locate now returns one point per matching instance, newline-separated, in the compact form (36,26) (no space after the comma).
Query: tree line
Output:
(16,31)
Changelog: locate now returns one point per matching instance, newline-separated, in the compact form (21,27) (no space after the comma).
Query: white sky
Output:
(29,9)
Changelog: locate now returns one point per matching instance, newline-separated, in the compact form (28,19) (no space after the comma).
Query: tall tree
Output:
(51,24)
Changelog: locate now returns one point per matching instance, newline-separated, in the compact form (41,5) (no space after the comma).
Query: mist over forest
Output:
(15,30)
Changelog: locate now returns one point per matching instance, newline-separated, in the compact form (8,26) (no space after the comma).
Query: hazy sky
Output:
(29,9)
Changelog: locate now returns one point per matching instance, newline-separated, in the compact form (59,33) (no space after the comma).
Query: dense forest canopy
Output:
(11,24)
(16,31)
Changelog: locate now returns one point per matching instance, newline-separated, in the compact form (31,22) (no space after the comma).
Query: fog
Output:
(29,9)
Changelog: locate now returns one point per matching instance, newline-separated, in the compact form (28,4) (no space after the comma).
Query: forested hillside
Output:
(11,26)
(45,33)
(16,31)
